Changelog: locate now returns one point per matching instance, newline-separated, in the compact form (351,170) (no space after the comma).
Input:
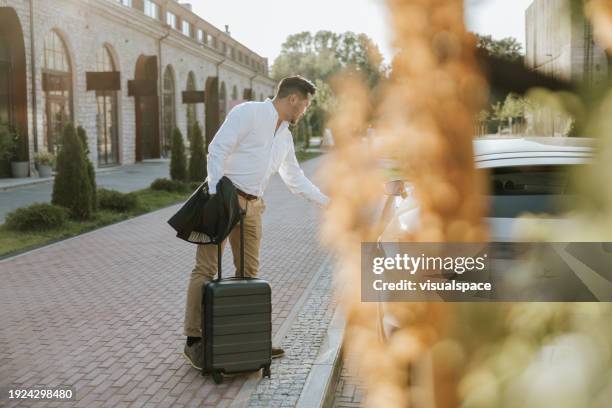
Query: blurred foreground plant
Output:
(449,355)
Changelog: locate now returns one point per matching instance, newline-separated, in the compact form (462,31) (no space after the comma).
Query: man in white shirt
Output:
(253,143)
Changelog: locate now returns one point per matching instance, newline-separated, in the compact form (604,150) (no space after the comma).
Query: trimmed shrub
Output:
(40,216)
(43,158)
(117,201)
(178,161)
(72,185)
(91,172)
(7,144)
(172,186)
(197,160)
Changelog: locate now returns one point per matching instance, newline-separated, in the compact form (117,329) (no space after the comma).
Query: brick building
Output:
(128,71)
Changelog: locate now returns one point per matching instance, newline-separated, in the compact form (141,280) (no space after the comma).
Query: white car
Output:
(525,175)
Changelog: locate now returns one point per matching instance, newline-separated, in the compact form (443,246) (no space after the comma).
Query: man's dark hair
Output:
(293,84)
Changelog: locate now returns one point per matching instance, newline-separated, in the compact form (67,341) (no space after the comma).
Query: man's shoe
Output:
(194,355)
(277,352)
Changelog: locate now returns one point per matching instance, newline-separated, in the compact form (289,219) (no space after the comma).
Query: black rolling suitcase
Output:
(237,326)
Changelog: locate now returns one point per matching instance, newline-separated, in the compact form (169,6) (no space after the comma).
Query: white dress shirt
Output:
(248,150)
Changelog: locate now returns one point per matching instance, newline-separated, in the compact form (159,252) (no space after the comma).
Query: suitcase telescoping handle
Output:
(219,254)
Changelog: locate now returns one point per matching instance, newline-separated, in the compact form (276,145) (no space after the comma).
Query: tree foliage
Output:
(325,53)
(91,172)
(178,160)
(507,48)
(197,159)
(72,185)
(320,56)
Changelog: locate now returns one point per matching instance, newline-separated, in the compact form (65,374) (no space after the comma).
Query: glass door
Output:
(106,121)
(57,118)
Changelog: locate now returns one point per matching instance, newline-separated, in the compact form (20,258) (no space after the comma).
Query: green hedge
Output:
(116,201)
(172,186)
(39,216)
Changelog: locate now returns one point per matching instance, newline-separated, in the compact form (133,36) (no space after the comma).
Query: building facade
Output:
(559,42)
(127,71)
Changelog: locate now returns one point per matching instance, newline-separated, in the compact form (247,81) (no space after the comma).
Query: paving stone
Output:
(349,387)
(104,311)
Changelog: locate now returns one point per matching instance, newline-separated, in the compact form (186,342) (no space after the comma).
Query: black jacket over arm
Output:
(206,219)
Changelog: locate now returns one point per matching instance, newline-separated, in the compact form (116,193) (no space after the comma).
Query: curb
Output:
(244,394)
(6,258)
(30,181)
(321,382)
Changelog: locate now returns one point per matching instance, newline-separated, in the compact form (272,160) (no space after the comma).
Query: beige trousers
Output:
(206,262)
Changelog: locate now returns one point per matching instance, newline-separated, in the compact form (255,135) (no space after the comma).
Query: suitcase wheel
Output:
(267,372)
(217,377)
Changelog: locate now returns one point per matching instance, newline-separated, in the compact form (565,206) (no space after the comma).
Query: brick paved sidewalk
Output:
(350,388)
(103,312)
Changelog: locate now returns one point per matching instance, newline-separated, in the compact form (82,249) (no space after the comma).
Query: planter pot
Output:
(44,170)
(20,169)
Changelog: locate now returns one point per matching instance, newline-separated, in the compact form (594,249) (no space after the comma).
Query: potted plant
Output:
(44,163)
(20,166)
(6,151)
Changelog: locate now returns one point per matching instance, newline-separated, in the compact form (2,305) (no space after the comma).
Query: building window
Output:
(171,20)
(169,109)
(234,93)
(57,82)
(212,41)
(223,48)
(127,3)
(151,9)
(106,118)
(201,36)
(187,28)
(232,53)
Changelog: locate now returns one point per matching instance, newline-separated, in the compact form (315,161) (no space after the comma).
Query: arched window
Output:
(57,87)
(222,102)
(191,107)
(169,109)
(106,118)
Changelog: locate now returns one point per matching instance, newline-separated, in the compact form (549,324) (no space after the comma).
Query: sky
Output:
(263,25)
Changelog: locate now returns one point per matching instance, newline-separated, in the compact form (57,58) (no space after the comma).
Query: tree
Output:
(91,172)
(318,57)
(507,48)
(197,159)
(178,161)
(326,53)
(322,105)
(72,186)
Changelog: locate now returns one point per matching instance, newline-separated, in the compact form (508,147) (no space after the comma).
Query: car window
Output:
(535,189)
